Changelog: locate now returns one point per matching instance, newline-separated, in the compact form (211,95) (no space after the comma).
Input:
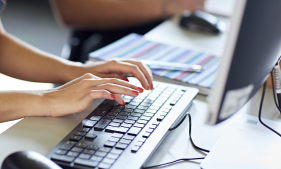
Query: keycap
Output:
(84,156)
(116,151)
(96,158)
(63,158)
(100,154)
(128,137)
(132,118)
(117,120)
(113,139)
(139,143)
(149,130)
(75,138)
(121,117)
(103,165)
(77,149)
(122,130)
(121,146)
(148,114)
(83,129)
(136,114)
(114,124)
(142,121)
(134,131)
(131,106)
(152,126)
(79,133)
(126,125)
(90,136)
(99,112)
(139,125)
(88,151)
(112,113)
(102,124)
(160,118)
(108,117)
(95,118)
(81,145)
(135,148)
(112,156)
(142,139)
(84,162)
(68,145)
(124,113)
(90,123)
(105,149)
(145,118)
(109,144)
(129,110)
(146,135)
(93,147)
(139,111)
(117,135)
(124,141)
(108,160)
(61,152)
(142,107)
(129,121)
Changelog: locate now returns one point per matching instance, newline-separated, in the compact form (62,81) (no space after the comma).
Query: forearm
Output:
(107,14)
(18,104)
(22,61)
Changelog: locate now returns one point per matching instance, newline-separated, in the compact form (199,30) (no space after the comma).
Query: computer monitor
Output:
(252,48)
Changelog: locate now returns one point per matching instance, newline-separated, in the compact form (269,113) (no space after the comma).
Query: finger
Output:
(91,83)
(144,68)
(128,68)
(117,76)
(119,99)
(98,94)
(117,89)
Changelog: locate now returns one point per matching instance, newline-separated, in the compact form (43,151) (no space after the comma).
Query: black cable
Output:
(260,110)
(172,162)
(274,94)
(183,159)
(198,148)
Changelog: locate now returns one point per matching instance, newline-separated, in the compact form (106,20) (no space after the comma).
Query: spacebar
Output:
(102,124)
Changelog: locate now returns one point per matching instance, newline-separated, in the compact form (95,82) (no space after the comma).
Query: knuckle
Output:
(114,80)
(88,75)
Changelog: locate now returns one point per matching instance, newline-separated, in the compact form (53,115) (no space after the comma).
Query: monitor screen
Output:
(252,48)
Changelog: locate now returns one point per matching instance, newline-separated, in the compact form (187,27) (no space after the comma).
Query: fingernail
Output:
(140,89)
(135,92)
(151,86)
(113,96)
(126,79)
(148,87)
(123,102)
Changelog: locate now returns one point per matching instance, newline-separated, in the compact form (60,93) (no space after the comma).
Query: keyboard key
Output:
(163,114)
(77,149)
(95,118)
(126,125)
(128,137)
(134,103)
(90,136)
(81,145)
(151,111)
(61,152)
(68,145)
(124,141)
(84,156)
(122,130)
(113,139)
(75,138)
(109,144)
(129,110)
(139,111)
(139,125)
(96,158)
(139,144)
(155,123)
(121,146)
(93,147)
(136,114)
(148,114)
(118,121)
(119,106)
(117,135)
(152,127)
(90,124)
(100,154)
(160,118)
(102,124)
(88,151)
(63,158)
(109,117)
(79,133)
(129,121)
(145,118)
(142,107)
(142,139)
(105,149)
(121,117)
(116,151)
(135,148)
(124,113)
(99,112)
(84,162)
(108,160)
(142,121)
(131,106)
(132,118)
(134,131)
(83,129)
(112,156)
(103,165)
(114,124)
(146,135)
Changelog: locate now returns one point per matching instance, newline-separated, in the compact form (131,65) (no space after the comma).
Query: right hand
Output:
(78,94)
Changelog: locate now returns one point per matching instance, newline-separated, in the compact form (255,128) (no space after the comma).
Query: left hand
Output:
(117,68)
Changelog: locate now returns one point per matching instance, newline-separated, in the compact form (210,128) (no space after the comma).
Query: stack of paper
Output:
(136,46)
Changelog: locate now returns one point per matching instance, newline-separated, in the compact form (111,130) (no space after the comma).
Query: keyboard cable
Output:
(182,159)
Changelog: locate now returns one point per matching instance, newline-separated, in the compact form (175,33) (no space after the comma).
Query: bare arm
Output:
(110,14)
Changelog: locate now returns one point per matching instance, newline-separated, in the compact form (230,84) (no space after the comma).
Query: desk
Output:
(41,134)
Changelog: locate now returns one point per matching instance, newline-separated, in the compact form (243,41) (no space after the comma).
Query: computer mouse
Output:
(28,160)
(202,22)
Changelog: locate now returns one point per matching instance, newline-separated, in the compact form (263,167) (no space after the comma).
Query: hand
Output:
(78,94)
(178,6)
(117,68)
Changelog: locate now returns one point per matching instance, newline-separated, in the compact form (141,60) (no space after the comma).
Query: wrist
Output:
(73,71)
